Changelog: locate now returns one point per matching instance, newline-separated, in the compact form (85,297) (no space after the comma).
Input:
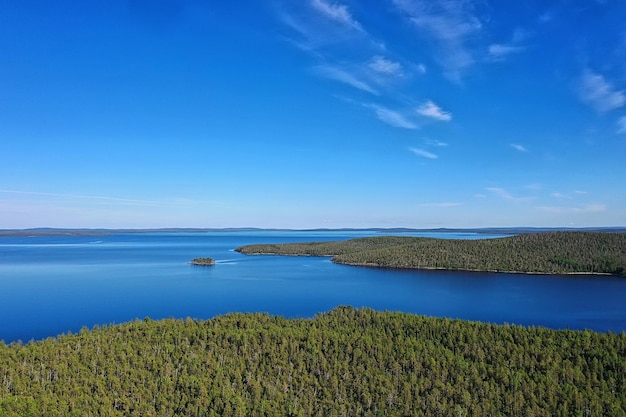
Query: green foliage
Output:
(203,261)
(348,362)
(550,252)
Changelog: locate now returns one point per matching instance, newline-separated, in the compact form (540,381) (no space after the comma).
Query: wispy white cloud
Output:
(589,208)
(560,195)
(580,192)
(505,195)
(385,66)
(430,109)
(442,205)
(318,25)
(621,125)
(534,186)
(500,192)
(436,143)
(336,12)
(498,51)
(519,148)
(423,153)
(451,23)
(599,93)
(392,117)
(343,76)
(310,37)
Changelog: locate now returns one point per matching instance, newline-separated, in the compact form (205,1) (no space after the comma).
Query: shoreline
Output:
(432,268)
(425,268)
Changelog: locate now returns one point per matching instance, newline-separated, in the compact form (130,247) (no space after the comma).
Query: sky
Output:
(312,113)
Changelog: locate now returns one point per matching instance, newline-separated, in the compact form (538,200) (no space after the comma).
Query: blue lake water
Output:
(52,285)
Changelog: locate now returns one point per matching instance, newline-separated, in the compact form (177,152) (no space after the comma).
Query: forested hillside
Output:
(549,252)
(346,362)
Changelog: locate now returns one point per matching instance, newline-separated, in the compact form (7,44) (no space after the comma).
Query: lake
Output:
(52,285)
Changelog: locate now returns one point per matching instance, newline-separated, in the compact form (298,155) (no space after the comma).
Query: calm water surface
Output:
(52,285)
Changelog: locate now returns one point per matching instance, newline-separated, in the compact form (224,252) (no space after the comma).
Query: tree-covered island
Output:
(203,261)
(546,253)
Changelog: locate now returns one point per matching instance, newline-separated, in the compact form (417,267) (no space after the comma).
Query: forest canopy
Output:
(547,252)
(347,362)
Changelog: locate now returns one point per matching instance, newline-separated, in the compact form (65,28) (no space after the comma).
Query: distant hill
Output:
(49,231)
(44,231)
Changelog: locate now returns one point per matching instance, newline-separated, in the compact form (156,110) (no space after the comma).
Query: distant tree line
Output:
(547,252)
(348,362)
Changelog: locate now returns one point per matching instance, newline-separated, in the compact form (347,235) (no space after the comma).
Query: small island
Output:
(536,253)
(203,261)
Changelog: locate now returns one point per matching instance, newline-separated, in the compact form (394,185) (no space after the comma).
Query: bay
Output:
(56,284)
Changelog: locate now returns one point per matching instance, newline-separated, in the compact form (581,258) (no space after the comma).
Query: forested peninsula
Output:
(547,252)
(347,362)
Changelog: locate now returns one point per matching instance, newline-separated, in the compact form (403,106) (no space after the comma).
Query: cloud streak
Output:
(343,76)
(436,143)
(599,93)
(451,23)
(505,195)
(336,12)
(318,27)
(423,153)
(392,117)
(433,111)
(518,147)
(500,192)
(384,66)
(589,208)
(498,51)
(621,125)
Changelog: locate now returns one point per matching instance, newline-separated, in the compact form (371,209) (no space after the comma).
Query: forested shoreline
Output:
(347,362)
(546,252)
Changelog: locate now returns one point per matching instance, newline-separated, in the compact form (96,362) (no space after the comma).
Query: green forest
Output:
(347,362)
(547,252)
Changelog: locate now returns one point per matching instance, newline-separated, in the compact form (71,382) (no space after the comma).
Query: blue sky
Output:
(312,113)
